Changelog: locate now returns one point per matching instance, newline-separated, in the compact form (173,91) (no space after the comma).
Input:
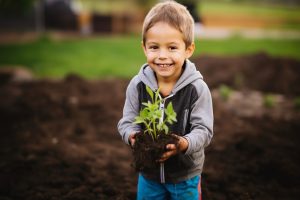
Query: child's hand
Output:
(131,139)
(173,150)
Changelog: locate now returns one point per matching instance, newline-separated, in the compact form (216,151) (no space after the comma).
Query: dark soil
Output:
(147,152)
(59,138)
(255,72)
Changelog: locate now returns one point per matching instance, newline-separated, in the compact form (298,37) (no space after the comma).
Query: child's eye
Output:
(153,47)
(172,48)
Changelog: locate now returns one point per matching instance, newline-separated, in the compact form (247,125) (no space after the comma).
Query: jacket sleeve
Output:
(130,111)
(201,119)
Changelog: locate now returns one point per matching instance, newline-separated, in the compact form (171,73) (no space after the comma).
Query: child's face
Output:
(166,51)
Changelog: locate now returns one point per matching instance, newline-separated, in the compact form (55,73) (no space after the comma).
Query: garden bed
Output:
(59,139)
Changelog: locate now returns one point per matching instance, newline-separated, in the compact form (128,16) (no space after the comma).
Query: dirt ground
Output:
(59,138)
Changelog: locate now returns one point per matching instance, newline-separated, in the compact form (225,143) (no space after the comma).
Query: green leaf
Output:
(170,108)
(138,120)
(159,126)
(147,105)
(150,92)
(157,99)
(153,108)
(166,128)
(157,114)
(144,113)
(171,114)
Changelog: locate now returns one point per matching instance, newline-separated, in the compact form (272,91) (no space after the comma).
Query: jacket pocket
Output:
(180,162)
(185,161)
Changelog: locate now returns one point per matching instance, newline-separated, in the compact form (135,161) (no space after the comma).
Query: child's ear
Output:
(144,48)
(190,50)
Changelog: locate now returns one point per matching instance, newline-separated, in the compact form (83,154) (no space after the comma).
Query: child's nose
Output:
(163,54)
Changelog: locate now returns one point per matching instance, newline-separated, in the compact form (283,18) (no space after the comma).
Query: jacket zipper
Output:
(162,107)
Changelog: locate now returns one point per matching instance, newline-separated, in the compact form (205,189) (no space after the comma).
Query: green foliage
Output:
(269,101)
(116,56)
(91,58)
(289,48)
(151,115)
(225,92)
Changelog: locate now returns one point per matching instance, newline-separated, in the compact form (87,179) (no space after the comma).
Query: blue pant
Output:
(185,190)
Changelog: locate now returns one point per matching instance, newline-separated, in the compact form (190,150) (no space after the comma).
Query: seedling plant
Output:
(151,142)
(153,117)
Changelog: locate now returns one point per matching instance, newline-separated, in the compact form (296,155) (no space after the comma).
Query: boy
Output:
(168,42)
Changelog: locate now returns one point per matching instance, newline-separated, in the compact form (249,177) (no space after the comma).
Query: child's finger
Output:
(167,155)
(132,139)
(164,157)
(171,147)
(132,142)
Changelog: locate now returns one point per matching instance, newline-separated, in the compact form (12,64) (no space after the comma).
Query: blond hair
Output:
(175,15)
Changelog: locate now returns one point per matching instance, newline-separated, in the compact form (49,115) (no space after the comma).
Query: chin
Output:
(164,75)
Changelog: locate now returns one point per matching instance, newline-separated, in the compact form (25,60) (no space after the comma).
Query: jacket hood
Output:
(189,75)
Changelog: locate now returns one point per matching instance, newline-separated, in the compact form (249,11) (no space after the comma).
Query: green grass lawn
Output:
(120,56)
(112,56)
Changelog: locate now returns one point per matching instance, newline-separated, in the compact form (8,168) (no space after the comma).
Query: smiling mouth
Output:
(164,65)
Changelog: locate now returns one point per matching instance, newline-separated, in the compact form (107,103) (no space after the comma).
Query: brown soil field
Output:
(59,138)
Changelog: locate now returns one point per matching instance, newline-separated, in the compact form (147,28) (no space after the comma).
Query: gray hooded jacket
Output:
(192,102)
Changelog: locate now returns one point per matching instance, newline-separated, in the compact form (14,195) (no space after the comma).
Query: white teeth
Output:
(164,65)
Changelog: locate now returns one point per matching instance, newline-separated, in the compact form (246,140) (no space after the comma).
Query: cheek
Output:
(150,55)
(179,56)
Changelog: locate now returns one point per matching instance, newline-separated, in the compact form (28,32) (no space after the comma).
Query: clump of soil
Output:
(147,152)
(58,139)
